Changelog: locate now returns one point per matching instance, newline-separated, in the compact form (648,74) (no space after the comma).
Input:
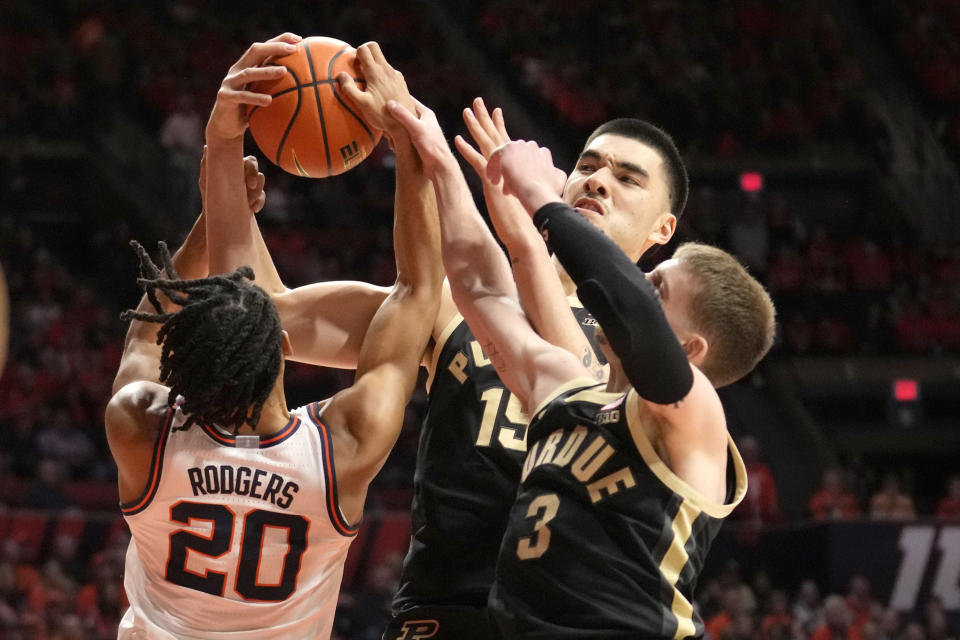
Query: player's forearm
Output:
(618,295)
(474,263)
(545,302)
(228,229)
(233,235)
(416,230)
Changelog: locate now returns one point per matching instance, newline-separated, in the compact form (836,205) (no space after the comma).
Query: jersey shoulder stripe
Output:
(673,482)
(333,504)
(441,342)
(581,383)
(156,468)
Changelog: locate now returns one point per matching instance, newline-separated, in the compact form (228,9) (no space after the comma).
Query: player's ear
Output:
(287,347)
(666,225)
(696,347)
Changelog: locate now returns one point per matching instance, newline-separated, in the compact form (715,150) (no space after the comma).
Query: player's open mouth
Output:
(589,204)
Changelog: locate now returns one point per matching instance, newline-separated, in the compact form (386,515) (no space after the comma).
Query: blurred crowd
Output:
(845,493)
(723,77)
(925,33)
(730,77)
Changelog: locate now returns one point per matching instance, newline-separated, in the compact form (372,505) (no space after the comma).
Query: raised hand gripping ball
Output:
(310,129)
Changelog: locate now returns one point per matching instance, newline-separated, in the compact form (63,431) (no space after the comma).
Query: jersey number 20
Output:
(221,540)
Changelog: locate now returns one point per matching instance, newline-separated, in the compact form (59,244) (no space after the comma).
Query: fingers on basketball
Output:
(314,128)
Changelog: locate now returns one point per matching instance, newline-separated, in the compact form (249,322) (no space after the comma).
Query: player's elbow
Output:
(422,282)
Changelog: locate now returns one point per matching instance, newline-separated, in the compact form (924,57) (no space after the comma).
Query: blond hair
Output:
(731,309)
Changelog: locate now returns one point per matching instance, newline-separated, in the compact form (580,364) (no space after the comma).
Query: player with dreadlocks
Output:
(221,349)
(241,523)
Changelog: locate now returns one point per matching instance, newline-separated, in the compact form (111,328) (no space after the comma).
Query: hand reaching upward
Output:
(426,135)
(230,115)
(383,84)
(527,172)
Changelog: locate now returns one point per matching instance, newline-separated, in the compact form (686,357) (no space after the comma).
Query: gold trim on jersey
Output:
(673,562)
(563,388)
(670,479)
(575,302)
(596,394)
(438,347)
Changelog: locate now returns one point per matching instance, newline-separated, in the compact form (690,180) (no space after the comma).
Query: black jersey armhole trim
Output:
(332,500)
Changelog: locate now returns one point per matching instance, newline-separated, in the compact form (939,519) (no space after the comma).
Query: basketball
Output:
(310,129)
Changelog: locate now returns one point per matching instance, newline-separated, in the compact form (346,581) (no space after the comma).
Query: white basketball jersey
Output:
(237,537)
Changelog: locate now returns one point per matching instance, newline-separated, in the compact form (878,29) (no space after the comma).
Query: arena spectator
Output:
(777,623)
(837,621)
(833,501)
(733,608)
(63,440)
(948,508)
(860,602)
(46,491)
(759,506)
(891,502)
(808,614)
(890,624)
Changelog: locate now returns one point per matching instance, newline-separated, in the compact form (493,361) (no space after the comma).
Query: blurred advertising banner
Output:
(906,563)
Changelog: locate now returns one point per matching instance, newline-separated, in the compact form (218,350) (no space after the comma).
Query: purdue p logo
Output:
(418,629)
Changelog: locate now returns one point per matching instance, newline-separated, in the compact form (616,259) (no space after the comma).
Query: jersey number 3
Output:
(220,542)
(544,509)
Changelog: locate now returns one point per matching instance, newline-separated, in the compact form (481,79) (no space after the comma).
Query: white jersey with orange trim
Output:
(237,537)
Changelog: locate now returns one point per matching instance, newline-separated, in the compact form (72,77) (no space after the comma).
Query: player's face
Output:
(675,286)
(620,185)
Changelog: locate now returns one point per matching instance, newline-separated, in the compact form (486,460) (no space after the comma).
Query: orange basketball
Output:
(310,129)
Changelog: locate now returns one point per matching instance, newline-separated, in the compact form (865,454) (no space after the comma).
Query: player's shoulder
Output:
(699,410)
(136,409)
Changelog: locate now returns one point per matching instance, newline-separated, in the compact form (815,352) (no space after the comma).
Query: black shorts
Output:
(442,623)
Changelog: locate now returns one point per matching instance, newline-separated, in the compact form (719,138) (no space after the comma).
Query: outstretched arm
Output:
(232,231)
(366,418)
(541,292)
(326,321)
(611,286)
(480,276)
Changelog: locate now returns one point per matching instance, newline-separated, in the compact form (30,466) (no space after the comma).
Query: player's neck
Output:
(273,416)
(617,382)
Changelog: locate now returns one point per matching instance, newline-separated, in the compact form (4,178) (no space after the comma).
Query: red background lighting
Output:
(905,390)
(751,181)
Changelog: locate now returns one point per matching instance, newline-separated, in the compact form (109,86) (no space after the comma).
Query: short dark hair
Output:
(731,309)
(653,136)
(222,350)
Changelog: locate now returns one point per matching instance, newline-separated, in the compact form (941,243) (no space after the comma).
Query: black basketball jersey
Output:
(604,541)
(471,446)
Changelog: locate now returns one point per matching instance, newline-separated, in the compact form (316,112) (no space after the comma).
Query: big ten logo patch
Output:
(350,154)
(418,629)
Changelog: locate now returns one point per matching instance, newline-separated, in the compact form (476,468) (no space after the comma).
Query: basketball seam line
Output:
(316,94)
(336,94)
(293,118)
(307,85)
